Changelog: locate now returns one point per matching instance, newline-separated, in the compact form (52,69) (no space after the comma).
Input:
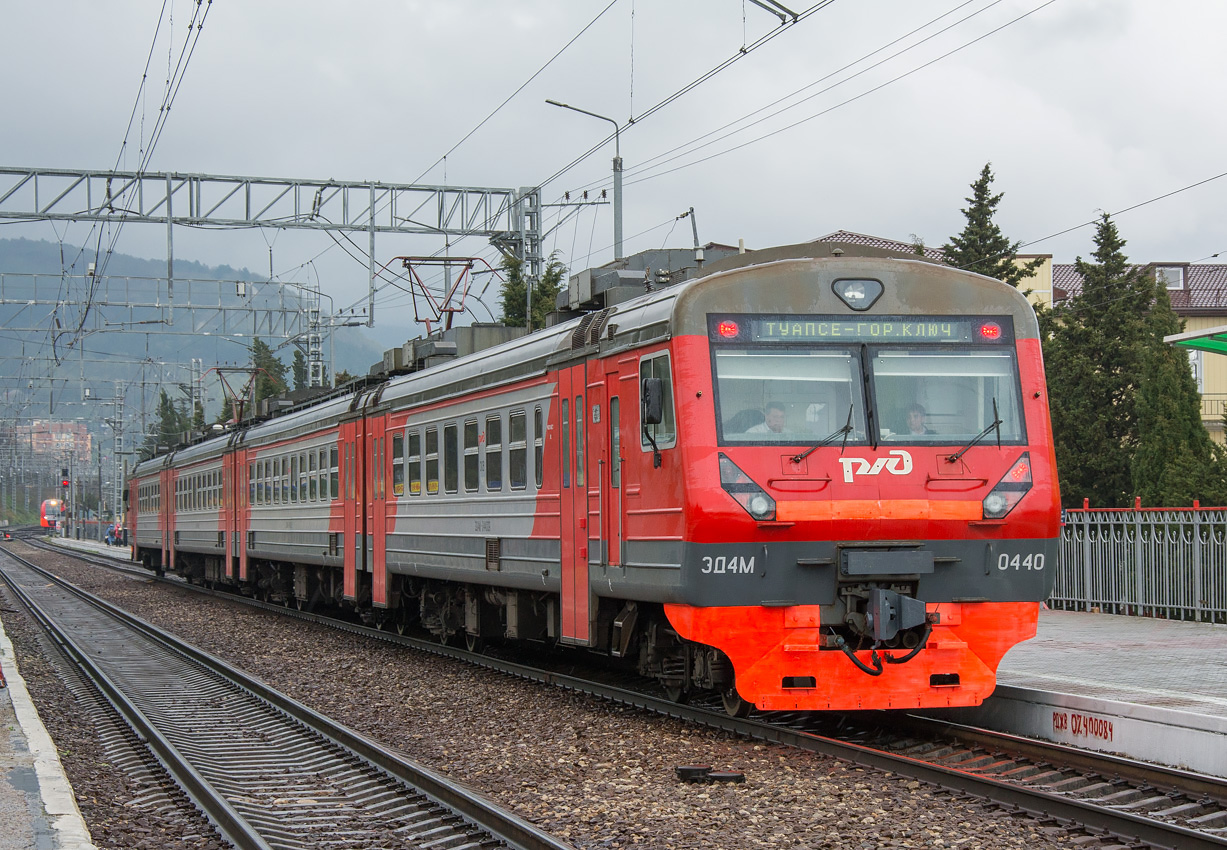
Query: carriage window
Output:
(471,472)
(285,480)
(312,478)
(665,434)
(538,446)
(251,483)
(945,396)
(518,450)
(398,464)
(494,453)
(415,463)
(381,451)
(615,443)
(565,421)
(579,441)
(451,458)
(334,477)
(350,470)
(432,460)
(303,490)
(294,479)
(322,473)
(788,396)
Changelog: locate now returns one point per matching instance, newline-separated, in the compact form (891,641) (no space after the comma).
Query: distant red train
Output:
(799,480)
(50,513)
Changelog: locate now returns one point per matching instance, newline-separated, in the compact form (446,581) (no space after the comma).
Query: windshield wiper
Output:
(846,430)
(996,423)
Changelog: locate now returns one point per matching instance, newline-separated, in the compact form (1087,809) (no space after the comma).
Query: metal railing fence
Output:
(1152,562)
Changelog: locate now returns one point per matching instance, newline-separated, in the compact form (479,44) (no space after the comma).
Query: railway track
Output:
(1139,804)
(267,771)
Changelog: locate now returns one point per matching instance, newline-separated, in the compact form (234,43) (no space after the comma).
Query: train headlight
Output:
(1010,489)
(858,294)
(761,506)
(745,491)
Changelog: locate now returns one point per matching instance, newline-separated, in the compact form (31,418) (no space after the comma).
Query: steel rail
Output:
(505,826)
(233,827)
(1033,801)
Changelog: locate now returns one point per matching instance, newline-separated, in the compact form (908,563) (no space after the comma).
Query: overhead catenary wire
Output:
(692,85)
(521,88)
(846,102)
(665,156)
(174,81)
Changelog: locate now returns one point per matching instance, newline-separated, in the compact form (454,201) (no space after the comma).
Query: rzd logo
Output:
(899,464)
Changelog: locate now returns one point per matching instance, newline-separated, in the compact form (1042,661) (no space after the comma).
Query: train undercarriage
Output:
(636,636)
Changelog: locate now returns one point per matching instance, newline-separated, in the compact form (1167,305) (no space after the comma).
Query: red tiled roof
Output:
(878,242)
(1205,286)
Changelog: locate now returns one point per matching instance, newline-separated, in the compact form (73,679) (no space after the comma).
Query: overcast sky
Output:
(1080,105)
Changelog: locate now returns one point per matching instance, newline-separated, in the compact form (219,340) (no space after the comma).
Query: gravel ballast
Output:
(597,775)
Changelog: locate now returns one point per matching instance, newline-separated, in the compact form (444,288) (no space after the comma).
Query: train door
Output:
(236,567)
(226,511)
(351,507)
(376,514)
(166,515)
(576,593)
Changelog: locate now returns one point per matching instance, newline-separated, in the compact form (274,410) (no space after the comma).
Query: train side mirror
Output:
(653,396)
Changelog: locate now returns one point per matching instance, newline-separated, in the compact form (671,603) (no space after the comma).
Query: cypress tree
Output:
(270,380)
(1094,355)
(982,247)
(299,367)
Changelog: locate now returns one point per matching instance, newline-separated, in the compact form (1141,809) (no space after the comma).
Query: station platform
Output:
(95,547)
(37,806)
(1140,687)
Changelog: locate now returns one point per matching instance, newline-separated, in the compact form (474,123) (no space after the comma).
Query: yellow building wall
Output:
(1213,382)
(1040,283)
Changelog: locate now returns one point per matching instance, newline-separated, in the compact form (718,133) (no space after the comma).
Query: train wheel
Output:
(734,705)
(677,694)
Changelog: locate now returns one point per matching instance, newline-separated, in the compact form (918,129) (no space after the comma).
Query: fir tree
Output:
(982,247)
(513,293)
(1094,353)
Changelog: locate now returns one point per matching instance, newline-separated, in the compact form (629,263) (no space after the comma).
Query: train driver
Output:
(774,421)
(916,420)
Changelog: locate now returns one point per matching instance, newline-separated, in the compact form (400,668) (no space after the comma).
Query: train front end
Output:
(871,508)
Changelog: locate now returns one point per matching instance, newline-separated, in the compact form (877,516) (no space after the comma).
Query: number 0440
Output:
(1020,562)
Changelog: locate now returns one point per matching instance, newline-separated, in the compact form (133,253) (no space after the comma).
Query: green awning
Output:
(1210,339)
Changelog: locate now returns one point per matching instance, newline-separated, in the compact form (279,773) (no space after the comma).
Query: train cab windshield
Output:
(942,383)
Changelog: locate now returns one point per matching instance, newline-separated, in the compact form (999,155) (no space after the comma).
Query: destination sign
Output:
(913,329)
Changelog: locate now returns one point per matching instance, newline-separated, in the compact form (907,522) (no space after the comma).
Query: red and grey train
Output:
(50,512)
(802,479)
